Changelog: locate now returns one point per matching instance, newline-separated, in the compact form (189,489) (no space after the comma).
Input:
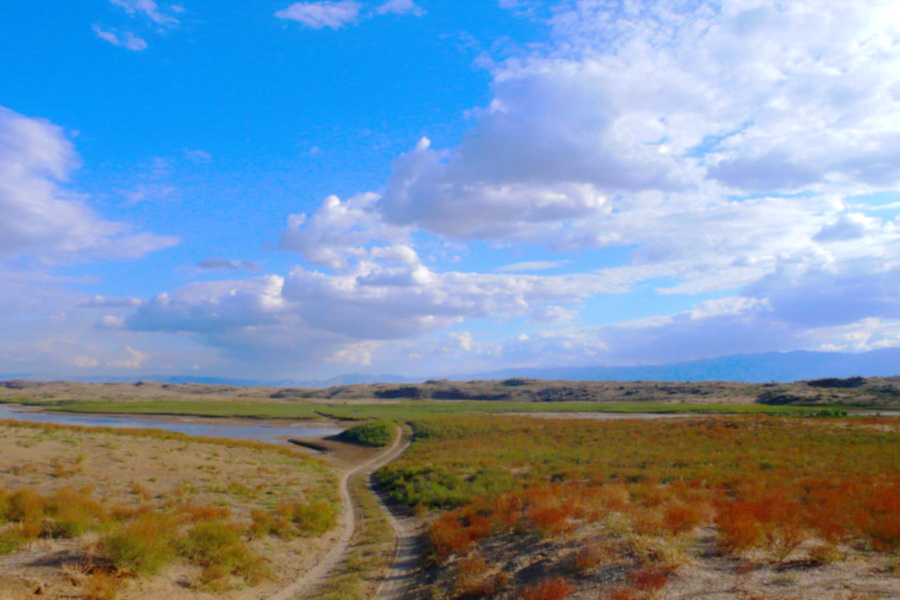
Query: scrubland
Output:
(747,507)
(386,400)
(101,514)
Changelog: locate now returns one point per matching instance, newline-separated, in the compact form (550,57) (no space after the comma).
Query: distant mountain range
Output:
(751,368)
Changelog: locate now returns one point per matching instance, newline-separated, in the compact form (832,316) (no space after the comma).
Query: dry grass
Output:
(159,514)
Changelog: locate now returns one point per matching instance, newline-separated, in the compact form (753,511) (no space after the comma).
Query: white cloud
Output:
(131,359)
(40,219)
(533,265)
(318,15)
(552,315)
(109,302)
(198,156)
(339,232)
(123,39)
(210,264)
(687,102)
(714,144)
(400,7)
(111,322)
(150,10)
(85,362)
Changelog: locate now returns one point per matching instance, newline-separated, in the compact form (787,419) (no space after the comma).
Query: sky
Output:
(275,190)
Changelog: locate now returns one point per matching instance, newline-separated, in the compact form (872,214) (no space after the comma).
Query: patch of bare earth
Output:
(210,489)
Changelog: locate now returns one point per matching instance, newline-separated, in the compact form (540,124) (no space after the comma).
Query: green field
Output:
(401,410)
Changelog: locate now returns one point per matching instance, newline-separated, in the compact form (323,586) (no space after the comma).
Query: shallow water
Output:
(213,428)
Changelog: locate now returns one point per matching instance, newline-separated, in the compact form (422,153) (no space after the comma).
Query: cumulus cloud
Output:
(341,231)
(694,101)
(318,15)
(42,220)
(714,144)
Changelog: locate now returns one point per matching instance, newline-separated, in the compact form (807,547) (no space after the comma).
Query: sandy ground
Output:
(128,470)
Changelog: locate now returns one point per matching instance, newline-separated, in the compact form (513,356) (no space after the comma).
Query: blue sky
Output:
(278,189)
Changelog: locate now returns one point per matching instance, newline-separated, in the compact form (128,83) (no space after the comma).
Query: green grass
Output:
(402,410)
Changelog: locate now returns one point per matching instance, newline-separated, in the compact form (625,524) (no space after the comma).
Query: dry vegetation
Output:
(718,507)
(101,514)
(875,392)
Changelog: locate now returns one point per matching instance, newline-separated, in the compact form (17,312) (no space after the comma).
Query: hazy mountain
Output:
(752,368)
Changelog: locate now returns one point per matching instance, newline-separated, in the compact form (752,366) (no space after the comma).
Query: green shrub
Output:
(376,434)
(9,542)
(219,547)
(143,546)
(312,518)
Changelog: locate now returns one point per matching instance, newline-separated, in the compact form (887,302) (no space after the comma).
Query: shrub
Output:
(219,548)
(311,519)
(473,579)
(593,555)
(142,546)
(376,434)
(74,513)
(9,542)
(556,588)
(25,505)
(649,580)
(102,585)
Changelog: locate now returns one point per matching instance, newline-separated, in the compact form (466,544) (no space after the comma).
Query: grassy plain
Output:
(390,410)
(96,513)
(740,507)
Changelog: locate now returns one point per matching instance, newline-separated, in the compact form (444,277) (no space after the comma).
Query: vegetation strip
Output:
(400,411)
(625,506)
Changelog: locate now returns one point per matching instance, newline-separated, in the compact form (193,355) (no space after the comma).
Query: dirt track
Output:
(405,567)
(314,578)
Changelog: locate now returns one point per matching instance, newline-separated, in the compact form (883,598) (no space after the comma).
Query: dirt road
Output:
(312,579)
(405,567)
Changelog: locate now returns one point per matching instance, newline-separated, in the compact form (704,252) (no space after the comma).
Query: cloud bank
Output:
(720,143)
(721,150)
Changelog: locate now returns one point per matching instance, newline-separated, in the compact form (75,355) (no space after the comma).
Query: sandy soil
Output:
(129,470)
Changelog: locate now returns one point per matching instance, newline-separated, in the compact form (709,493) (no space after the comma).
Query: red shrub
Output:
(549,589)
(649,580)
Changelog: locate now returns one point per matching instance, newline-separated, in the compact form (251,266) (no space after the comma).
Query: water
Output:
(212,428)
